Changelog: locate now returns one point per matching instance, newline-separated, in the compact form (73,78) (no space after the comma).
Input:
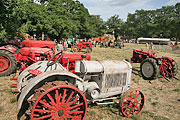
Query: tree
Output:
(114,24)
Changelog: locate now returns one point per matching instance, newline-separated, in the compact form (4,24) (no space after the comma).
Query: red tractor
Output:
(31,43)
(82,45)
(151,66)
(12,59)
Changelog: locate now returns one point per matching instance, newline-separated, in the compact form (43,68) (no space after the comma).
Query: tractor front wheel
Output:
(149,69)
(59,101)
(75,49)
(174,68)
(8,63)
(132,102)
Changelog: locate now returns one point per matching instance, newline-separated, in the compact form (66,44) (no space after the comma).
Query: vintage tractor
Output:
(17,44)
(152,67)
(82,45)
(12,59)
(48,91)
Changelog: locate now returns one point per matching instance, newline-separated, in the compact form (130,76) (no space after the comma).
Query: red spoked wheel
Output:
(132,103)
(60,103)
(166,68)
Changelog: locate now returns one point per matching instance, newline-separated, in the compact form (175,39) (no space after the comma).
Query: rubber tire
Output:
(155,67)
(175,68)
(12,60)
(14,46)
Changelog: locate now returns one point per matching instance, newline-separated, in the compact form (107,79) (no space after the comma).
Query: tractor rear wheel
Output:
(149,69)
(132,102)
(174,68)
(8,63)
(58,100)
(75,49)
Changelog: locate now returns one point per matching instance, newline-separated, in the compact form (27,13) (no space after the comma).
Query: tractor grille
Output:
(115,80)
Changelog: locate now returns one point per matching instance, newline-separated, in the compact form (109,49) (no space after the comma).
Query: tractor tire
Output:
(14,46)
(174,68)
(149,69)
(75,49)
(8,63)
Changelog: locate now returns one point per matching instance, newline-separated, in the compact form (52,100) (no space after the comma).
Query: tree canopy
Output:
(57,18)
(62,18)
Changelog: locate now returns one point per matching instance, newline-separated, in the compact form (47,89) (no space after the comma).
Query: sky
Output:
(108,8)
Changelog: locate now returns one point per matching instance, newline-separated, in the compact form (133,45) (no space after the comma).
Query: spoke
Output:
(133,111)
(70,97)
(130,112)
(126,106)
(72,117)
(125,110)
(76,112)
(48,106)
(76,106)
(42,111)
(44,117)
(74,101)
(138,108)
(64,95)
(52,100)
(128,97)
(57,97)
(139,100)
(137,96)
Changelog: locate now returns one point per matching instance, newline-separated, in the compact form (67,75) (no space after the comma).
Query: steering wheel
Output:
(50,63)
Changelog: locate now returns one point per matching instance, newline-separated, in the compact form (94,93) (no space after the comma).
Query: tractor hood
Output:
(74,57)
(32,43)
(33,50)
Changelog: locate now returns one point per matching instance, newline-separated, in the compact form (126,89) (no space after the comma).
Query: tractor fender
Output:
(166,58)
(9,49)
(48,76)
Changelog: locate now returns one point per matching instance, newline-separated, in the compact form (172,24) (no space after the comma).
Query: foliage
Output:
(162,23)
(57,18)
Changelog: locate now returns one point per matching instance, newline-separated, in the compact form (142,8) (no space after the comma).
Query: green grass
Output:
(13,100)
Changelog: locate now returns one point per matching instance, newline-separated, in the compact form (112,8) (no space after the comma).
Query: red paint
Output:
(60,104)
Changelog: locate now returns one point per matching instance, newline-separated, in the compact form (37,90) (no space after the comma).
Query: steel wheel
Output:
(60,103)
(75,49)
(132,103)
(167,68)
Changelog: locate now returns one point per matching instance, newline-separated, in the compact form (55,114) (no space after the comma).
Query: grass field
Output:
(162,97)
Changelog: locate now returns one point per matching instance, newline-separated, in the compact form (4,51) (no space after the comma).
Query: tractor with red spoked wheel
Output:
(152,67)
(49,91)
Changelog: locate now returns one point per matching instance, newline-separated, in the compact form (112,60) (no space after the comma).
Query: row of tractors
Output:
(59,86)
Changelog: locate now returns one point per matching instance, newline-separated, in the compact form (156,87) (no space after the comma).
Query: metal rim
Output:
(132,103)
(166,68)
(5,63)
(60,102)
(75,49)
(147,69)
